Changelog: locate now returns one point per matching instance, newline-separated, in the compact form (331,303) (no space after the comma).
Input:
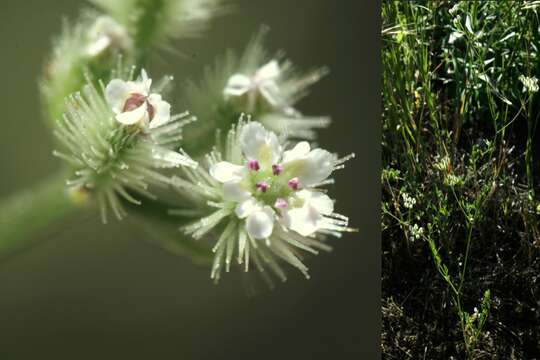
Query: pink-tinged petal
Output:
(260,223)
(225,171)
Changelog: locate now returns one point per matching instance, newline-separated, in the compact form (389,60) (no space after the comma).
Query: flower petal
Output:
(145,81)
(246,207)
(97,46)
(225,171)
(269,71)
(259,144)
(116,93)
(234,191)
(298,152)
(303,220)
(260,224)
(313,168)
(133,116)
(317,200)
(237,85)
(162,111)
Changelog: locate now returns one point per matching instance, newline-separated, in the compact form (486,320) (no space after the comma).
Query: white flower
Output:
(416,232)
(253,83)
(408,201)
(176,19)
(270,197)
(455,35)
(105,33)
(529,83)
(273,184)
(134,103)
(262,83)
(111,162)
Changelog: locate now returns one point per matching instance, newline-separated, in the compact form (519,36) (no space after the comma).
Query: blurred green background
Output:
(87,290)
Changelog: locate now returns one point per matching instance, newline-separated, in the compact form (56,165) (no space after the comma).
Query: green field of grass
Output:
(460,180)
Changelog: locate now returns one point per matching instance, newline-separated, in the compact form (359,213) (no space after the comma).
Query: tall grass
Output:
(460,175)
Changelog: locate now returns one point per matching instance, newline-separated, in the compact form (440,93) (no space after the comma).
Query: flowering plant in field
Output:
(231,168)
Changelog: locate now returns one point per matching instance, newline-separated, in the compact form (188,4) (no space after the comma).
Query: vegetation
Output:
(460,180)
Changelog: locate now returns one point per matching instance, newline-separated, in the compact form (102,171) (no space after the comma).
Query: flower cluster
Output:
(408,201)
(171,18)
(116,140)
(530,84)
(268,199)
(257,84)
(255,193)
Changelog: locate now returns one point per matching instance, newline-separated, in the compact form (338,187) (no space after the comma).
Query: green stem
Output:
(146,25)
(528,151)
(25,214)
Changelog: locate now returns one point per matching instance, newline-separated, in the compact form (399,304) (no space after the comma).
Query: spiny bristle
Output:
(110,160)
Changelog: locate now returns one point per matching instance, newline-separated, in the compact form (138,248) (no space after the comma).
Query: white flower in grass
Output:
(530,83)
(134,103)
(110,160)
(105,33)
(270,196)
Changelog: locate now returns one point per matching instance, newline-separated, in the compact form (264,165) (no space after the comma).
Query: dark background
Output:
(90,291)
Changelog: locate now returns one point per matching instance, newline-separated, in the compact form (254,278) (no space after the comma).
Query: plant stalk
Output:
(26,213)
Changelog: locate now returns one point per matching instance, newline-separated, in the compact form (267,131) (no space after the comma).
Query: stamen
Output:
(253,165)
(277,169)
(262,186)
(133,102)
(293,183)
(281,203)
(136,100)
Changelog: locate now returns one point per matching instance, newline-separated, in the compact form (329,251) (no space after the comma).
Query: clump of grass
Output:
(460,179)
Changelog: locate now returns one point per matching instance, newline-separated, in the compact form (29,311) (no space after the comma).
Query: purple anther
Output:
(262,186)
(293,183)
(136,100)
(277,169)
(281,203)
(253,165)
